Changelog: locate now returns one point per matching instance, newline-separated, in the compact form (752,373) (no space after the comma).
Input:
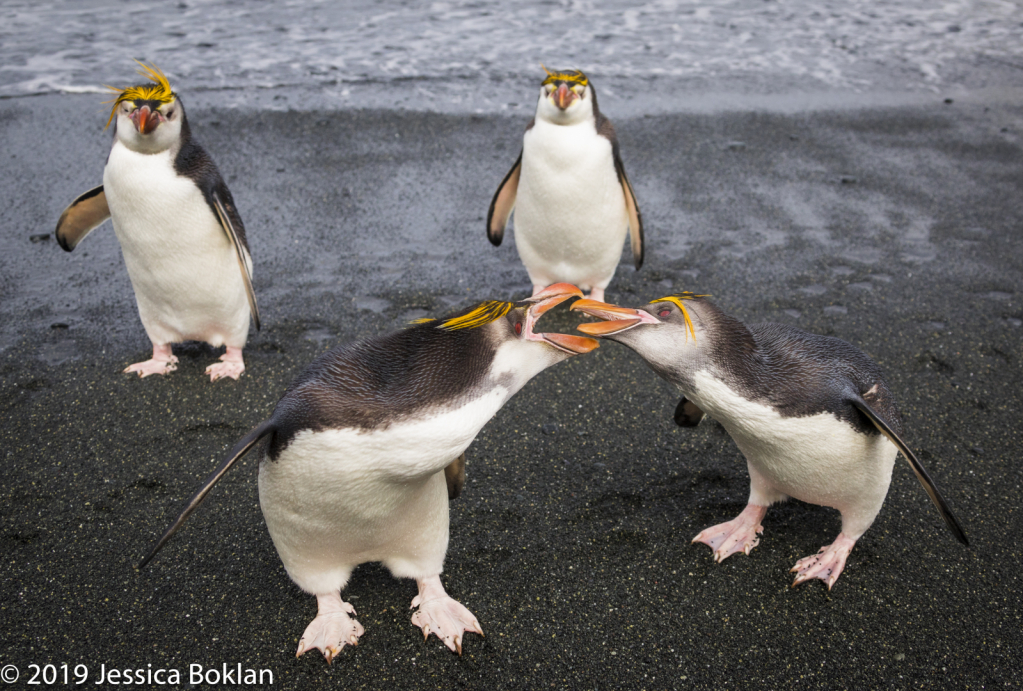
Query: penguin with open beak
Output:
(182,238)
(572,200)
(365,448)
(812,414)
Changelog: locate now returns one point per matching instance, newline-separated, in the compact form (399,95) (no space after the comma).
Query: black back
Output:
(796,372)
(374,382)
(194,163)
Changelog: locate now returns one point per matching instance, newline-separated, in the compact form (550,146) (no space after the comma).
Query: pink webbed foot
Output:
(442,616)
(597,294)
(163,362)
(332,629)
(737,535)
(827,564)
(231,365)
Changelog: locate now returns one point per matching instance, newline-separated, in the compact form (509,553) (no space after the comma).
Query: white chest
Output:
(816,458)
(155,210)
(568,169)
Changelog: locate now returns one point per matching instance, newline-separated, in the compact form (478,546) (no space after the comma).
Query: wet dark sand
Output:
(895,229)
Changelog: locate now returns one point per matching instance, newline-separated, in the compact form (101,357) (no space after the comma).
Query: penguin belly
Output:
(183,267)
(817,458)
(337,498)
(570,215)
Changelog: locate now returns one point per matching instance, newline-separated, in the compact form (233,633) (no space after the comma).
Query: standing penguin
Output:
(182,238)
(573,202)
(367,445)
(812,415)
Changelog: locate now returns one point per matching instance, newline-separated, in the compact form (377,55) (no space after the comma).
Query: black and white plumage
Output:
(367,445)
(572,200)
(182,238)
(812,414)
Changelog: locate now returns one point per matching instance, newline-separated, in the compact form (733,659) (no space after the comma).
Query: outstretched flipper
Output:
(921,473)
(502,204)
(239,450)
(454,474)
(687,414)
(244,261)
(86,213)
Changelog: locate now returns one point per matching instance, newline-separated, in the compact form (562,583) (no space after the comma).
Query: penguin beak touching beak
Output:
(542,303)
(146,120)
(616,319)
(563,97)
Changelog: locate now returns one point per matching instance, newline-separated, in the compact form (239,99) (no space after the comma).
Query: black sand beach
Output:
(897,229)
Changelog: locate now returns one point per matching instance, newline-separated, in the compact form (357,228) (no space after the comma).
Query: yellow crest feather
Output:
(572,77)
(484,313)
(677,299)
(159,90)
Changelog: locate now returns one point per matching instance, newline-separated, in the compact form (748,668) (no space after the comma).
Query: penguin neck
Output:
(721,344)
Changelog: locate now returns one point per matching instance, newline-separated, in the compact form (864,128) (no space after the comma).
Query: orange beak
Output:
(616,319)
(543,302)
(564,96)
(145,119)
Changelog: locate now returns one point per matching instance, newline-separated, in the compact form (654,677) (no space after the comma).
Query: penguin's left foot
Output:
(827,564)
(231,365)
(597,294)
(332,629)
(737,535)
(162,362)
(442,616)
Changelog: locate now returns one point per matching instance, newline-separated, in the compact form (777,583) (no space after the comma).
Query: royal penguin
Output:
(366,447)
(182,238)
(812,414)
(572,200)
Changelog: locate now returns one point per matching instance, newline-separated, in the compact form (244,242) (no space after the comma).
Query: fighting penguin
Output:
(572,199)
(181,236)
(812,415)
(367,445)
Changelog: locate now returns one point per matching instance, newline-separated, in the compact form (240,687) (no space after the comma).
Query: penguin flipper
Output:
(239,450)
(687,413)
(86,213)
(454,475)
(244,260)
(921,473)
(635,217)
(502,204)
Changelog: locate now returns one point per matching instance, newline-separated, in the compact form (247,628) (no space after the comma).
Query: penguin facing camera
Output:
(812,414)
(367,446)
(572,200)
(181,236)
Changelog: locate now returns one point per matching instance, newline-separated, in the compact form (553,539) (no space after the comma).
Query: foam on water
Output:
(480,55)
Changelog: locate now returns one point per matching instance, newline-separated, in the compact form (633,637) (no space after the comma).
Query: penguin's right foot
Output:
(332,629)
(439,614)
(737,535)
(163,362)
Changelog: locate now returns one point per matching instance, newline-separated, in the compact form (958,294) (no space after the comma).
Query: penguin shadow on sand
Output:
(365,449)
(813,416)
(181,236)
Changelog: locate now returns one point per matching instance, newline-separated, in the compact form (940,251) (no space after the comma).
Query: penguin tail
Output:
(239,450)
(918,469)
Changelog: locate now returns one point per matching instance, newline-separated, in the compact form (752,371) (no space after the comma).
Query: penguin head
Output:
(566,98)
(149,117)
(662,332)
(509,329)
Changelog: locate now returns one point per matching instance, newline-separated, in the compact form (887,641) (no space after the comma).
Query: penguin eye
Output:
(518,328)
(664,313)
